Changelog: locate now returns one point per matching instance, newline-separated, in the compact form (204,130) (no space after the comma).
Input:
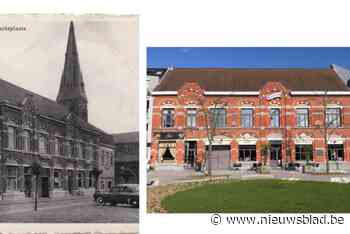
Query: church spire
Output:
(72,92)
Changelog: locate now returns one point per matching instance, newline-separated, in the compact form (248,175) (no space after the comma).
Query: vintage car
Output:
(120,194)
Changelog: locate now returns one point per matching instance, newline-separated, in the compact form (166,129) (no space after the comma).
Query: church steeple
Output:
(72,92)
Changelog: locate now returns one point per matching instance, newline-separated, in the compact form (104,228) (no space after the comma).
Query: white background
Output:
(214,23)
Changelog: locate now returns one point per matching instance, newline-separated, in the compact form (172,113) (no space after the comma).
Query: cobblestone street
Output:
(82,210)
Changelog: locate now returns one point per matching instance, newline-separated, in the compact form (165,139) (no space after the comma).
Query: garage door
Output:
(220,158)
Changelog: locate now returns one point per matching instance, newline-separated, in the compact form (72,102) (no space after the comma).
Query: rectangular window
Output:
(303,152)
(302,118)
(274,118)
(19,140)
(168,118)
(26,141)
(247,153)
(103,158)
(191,118)
(333,117)
(246,118)
(11,137)
(43,144)
(12,175)
(60,147)
(218,118)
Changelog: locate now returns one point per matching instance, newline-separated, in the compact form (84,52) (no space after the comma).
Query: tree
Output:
(325,128)
(211,122)
(265,152)
(36,168)
(308,152)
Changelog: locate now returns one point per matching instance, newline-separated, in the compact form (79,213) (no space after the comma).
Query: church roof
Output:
(72,84)
(235,79)
(14,95)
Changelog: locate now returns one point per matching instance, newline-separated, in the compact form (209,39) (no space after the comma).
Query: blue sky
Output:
(251,57)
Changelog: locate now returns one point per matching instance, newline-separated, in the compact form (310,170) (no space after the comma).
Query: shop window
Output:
(168,118)
(336,152)
(302,118)
(246,118)
(247,153)
(57,176)
(303,152)
(168,155)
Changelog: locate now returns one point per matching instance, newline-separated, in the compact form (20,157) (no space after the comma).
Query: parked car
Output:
(120,194)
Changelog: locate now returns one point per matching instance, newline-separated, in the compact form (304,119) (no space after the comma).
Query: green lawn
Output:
(258,196)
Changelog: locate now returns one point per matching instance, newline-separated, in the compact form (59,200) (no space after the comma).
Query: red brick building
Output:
(286,109)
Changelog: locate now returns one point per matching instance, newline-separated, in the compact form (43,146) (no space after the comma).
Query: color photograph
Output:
(248,130)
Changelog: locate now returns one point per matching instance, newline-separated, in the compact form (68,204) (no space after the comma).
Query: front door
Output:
(220,158)
(45,187)
(275,155)
(70,184)
(190,153)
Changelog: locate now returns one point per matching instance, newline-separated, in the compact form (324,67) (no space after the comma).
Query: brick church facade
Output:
(299,115)
(56,134)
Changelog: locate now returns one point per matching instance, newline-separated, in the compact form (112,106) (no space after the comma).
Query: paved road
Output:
(82,210)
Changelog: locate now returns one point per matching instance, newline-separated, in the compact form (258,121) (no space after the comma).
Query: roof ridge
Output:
(31,92)
(250,68)
(51,101)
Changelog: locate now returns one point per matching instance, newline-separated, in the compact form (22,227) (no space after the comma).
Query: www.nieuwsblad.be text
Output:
(220,219)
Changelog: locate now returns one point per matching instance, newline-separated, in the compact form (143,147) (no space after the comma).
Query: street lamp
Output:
(36,168)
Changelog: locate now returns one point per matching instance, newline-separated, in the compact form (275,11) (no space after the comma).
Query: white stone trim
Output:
(301,107)
(334,106)
(274,107)
(232,93)
(156,93)
(168,106)
(219,140)
(246,107)
(320,92)
(219,106)
(192,107)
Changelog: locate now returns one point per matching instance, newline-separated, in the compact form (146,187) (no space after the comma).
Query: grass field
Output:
(259,196)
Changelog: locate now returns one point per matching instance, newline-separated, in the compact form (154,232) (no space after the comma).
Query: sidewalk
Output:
(44,200)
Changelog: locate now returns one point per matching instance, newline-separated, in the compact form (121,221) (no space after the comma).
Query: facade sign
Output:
(171,135)
(274,95)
